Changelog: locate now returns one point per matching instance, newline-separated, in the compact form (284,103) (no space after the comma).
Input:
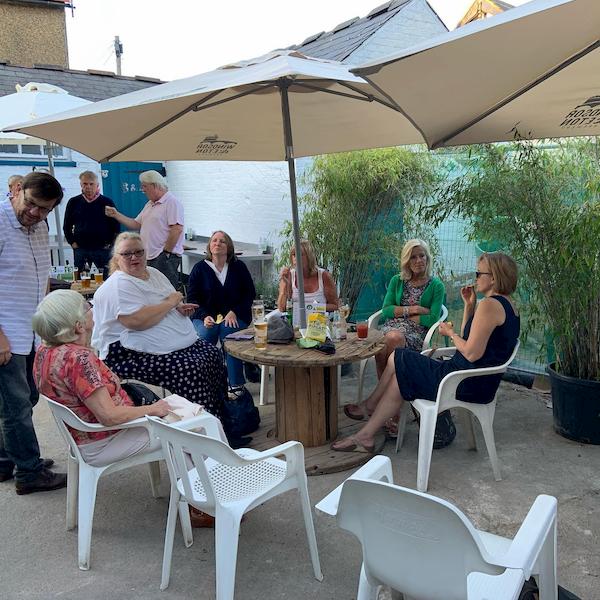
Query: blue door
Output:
(121,183)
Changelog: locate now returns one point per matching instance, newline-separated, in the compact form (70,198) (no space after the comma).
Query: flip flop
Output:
(355,447)
(354,416)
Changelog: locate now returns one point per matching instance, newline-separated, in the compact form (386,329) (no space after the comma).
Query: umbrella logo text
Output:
(212,145)
(583,115)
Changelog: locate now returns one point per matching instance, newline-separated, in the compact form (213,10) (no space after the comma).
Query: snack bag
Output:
(316,326)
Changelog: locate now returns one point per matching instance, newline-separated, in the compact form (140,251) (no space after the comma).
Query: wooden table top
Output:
(90,291)
(290,355)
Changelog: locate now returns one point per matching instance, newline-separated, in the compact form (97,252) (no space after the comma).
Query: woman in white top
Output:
(319,287)
(143,331)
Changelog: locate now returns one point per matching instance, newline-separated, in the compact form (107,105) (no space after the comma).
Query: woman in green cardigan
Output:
(412,304)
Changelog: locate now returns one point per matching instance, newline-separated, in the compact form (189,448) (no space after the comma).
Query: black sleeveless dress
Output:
(419,376)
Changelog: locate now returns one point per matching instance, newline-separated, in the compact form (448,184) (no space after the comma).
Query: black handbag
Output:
(140,394)
(240,416)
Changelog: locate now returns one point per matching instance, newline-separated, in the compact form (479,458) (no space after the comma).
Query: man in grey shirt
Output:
(24,269)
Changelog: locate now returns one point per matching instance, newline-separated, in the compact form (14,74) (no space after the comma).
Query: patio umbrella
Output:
(533,70)
(30,102)
(277,107)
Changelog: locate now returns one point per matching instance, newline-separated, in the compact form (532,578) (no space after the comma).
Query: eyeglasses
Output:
(88,306)
(131,254)
(478,274)
(30,204)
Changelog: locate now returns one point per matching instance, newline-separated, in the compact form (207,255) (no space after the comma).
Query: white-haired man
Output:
(160,224)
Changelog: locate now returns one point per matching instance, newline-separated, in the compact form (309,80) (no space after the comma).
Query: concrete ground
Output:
(38,557)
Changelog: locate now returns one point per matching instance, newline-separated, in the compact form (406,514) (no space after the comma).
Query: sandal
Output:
(356,446)
(350,410)
(391,428)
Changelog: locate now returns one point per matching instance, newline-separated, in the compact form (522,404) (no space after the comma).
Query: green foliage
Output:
(267,289)
(360,209)
(542,205)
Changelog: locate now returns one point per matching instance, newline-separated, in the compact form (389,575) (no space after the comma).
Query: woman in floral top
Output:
(412,304)
(67,370)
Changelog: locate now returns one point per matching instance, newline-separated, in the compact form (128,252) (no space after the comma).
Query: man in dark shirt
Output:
(87,228)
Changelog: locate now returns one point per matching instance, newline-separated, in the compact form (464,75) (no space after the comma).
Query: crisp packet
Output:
(316,326)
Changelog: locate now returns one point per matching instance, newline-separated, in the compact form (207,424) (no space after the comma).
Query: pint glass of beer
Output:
(260,335)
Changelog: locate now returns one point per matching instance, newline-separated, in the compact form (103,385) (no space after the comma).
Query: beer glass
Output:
(258,311)
(260,335)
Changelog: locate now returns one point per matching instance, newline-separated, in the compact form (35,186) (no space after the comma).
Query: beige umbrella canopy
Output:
(277,107)
(534,69)
(235,113)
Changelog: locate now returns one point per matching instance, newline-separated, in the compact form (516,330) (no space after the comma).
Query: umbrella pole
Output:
(61,252)
(289,155)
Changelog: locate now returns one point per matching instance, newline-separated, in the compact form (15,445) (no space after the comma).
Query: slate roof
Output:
(345,38)
(91,85)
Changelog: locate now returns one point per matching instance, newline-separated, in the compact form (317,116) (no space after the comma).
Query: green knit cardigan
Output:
(432,298)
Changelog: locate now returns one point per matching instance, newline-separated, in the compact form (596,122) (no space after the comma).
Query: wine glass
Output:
(344,308)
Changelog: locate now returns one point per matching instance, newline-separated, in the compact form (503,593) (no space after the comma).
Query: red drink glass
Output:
(362,330)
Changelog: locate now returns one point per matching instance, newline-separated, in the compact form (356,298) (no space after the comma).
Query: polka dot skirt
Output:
(196,372)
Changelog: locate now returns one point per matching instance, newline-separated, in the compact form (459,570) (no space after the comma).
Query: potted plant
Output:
(541,204)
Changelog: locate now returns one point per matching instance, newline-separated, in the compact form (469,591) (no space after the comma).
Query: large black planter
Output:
(576,407)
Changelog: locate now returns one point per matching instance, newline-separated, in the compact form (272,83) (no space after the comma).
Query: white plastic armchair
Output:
(226,483)
(82,479)
(373,323)
(446,399)
(426,548)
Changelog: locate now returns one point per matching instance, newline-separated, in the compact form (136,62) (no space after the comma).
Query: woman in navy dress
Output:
(488,336)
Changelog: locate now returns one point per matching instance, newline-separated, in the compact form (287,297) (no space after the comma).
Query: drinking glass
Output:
(85,281)
(258,311)
(362,330)
(260,335)
(344,308)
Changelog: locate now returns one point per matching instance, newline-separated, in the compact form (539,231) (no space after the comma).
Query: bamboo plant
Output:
(542,204)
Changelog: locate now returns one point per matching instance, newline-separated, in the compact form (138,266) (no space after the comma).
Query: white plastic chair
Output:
(373,323)
(82,479)
(446,399)
(426,548)
(227,483)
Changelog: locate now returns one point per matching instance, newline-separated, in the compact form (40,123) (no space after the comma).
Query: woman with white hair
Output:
(67,370)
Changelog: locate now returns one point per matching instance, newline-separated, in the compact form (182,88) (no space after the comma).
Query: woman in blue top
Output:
(488,337)
(222,287)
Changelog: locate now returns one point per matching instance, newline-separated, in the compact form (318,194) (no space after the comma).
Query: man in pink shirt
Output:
(160,224)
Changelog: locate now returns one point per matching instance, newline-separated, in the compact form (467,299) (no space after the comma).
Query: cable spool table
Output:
(307,393)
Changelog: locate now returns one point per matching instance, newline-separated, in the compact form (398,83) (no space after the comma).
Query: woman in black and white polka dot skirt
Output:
(143,330)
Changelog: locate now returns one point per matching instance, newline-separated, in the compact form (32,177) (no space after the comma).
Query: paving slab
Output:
(38,557)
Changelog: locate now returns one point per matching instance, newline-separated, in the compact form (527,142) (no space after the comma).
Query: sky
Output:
(178,38)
